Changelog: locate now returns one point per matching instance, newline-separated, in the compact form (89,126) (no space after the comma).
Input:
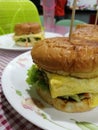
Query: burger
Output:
(65,74)
(26,34)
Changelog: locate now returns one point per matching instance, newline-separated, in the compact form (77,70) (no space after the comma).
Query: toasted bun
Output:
(27,28)
(62,105)
(78,58)
(86,31)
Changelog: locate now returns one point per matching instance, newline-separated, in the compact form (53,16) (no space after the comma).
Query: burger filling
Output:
(64,87)
(29,38)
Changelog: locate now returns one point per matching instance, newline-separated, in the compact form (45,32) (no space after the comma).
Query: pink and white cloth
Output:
(84,4)
(9,118)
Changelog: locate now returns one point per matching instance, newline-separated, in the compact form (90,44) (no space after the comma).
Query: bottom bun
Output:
(64,105)
(24,44)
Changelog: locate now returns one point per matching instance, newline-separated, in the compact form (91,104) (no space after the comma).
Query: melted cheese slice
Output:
(61,85)
(40,35)
(94,100)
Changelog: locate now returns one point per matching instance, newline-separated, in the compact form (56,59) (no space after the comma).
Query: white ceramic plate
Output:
(66,35)
(7,42)
(15,89)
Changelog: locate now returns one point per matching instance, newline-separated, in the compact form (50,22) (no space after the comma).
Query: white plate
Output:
(7,42)
(66,35)
(15,89)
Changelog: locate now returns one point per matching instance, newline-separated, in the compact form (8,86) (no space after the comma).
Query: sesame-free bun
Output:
(77,58)
(27,28)
(65,105)
(86,31)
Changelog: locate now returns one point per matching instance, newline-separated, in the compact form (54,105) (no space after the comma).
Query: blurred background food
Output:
(26,34)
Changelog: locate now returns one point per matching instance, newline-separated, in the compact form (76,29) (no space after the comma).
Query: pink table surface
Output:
(9,118)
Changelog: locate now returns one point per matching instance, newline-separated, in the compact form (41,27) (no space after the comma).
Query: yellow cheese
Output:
(94,100)
(40,35)
(67,85)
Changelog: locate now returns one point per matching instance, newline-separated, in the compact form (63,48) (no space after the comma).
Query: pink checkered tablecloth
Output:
(9,118)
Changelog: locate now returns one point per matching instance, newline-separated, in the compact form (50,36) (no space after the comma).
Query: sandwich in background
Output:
(26,34)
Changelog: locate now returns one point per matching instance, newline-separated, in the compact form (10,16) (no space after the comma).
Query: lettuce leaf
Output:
(36,78)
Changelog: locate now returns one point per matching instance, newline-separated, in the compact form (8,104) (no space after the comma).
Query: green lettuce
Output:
(36,78)
(16,11)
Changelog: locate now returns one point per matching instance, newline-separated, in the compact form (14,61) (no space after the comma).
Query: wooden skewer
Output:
(72,19)
(96,19)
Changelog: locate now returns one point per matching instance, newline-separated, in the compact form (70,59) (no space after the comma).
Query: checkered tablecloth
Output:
(9,118)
